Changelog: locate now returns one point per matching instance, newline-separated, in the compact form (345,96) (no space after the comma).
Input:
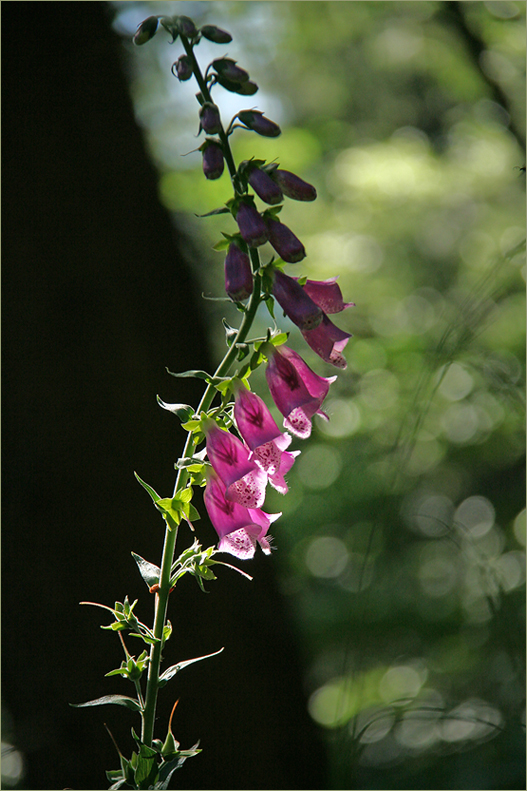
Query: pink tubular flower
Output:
(297,391)
(238,528)
(259,430)
(328,341)
(296,303)
(326,294)
(244,480)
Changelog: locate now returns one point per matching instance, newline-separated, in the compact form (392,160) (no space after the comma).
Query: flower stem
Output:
(149,711)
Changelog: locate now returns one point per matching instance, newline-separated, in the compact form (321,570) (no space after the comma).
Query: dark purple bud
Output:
(229,70)
(213,162)
(294,187)
(286,244)
(255,120)
(209,117)
(182,68)
(146,30)
(265,187)
(243,88)
(252,225)
(295,302)
(216,34)
(238,274)
(185,26)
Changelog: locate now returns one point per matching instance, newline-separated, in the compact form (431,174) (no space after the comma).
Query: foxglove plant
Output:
(244,448)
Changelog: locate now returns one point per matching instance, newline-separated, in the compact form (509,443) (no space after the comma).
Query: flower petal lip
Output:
(326,294)
(297,391)
(245,526)
(328,341)
(295,302)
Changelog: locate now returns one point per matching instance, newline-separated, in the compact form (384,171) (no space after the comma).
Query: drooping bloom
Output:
(326,294)
(268,444)
(239,529)
(244,480)
(287,245)
(328,341)
(238,274)
(251,224)
(293,186)
(307,306)
(295,302)
(297,391)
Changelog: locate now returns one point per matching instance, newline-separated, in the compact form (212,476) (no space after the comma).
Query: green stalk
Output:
(152,686)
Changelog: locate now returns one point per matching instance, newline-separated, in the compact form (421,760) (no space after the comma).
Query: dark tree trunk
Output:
(97,301)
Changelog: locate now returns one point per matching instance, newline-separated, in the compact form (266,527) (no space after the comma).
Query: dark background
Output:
(97,300)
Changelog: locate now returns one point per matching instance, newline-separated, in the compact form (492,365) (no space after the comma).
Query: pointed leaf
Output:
(118,700)
(173,669)
(223,210)
(149,572)
(195,374)
(153,494)
(182,411)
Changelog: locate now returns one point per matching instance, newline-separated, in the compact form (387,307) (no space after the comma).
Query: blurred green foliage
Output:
(401,546)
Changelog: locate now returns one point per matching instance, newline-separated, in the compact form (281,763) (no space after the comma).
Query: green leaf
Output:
(193,513)
(149,572)
(171,671)
(278,340)
(270,306)
(182,411)
(153,494)
(223,210)
(223,244)
(192,374)
(117,700)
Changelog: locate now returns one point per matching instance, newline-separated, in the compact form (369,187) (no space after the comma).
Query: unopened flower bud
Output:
(185,26)
(229,70)
(146,30)
(294,187)
(247,88)
(209,117)
(252,225)
(182,68)
(216,34)
(213,162)
(286,244)
(238,274)
(264,186)
(255,120)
